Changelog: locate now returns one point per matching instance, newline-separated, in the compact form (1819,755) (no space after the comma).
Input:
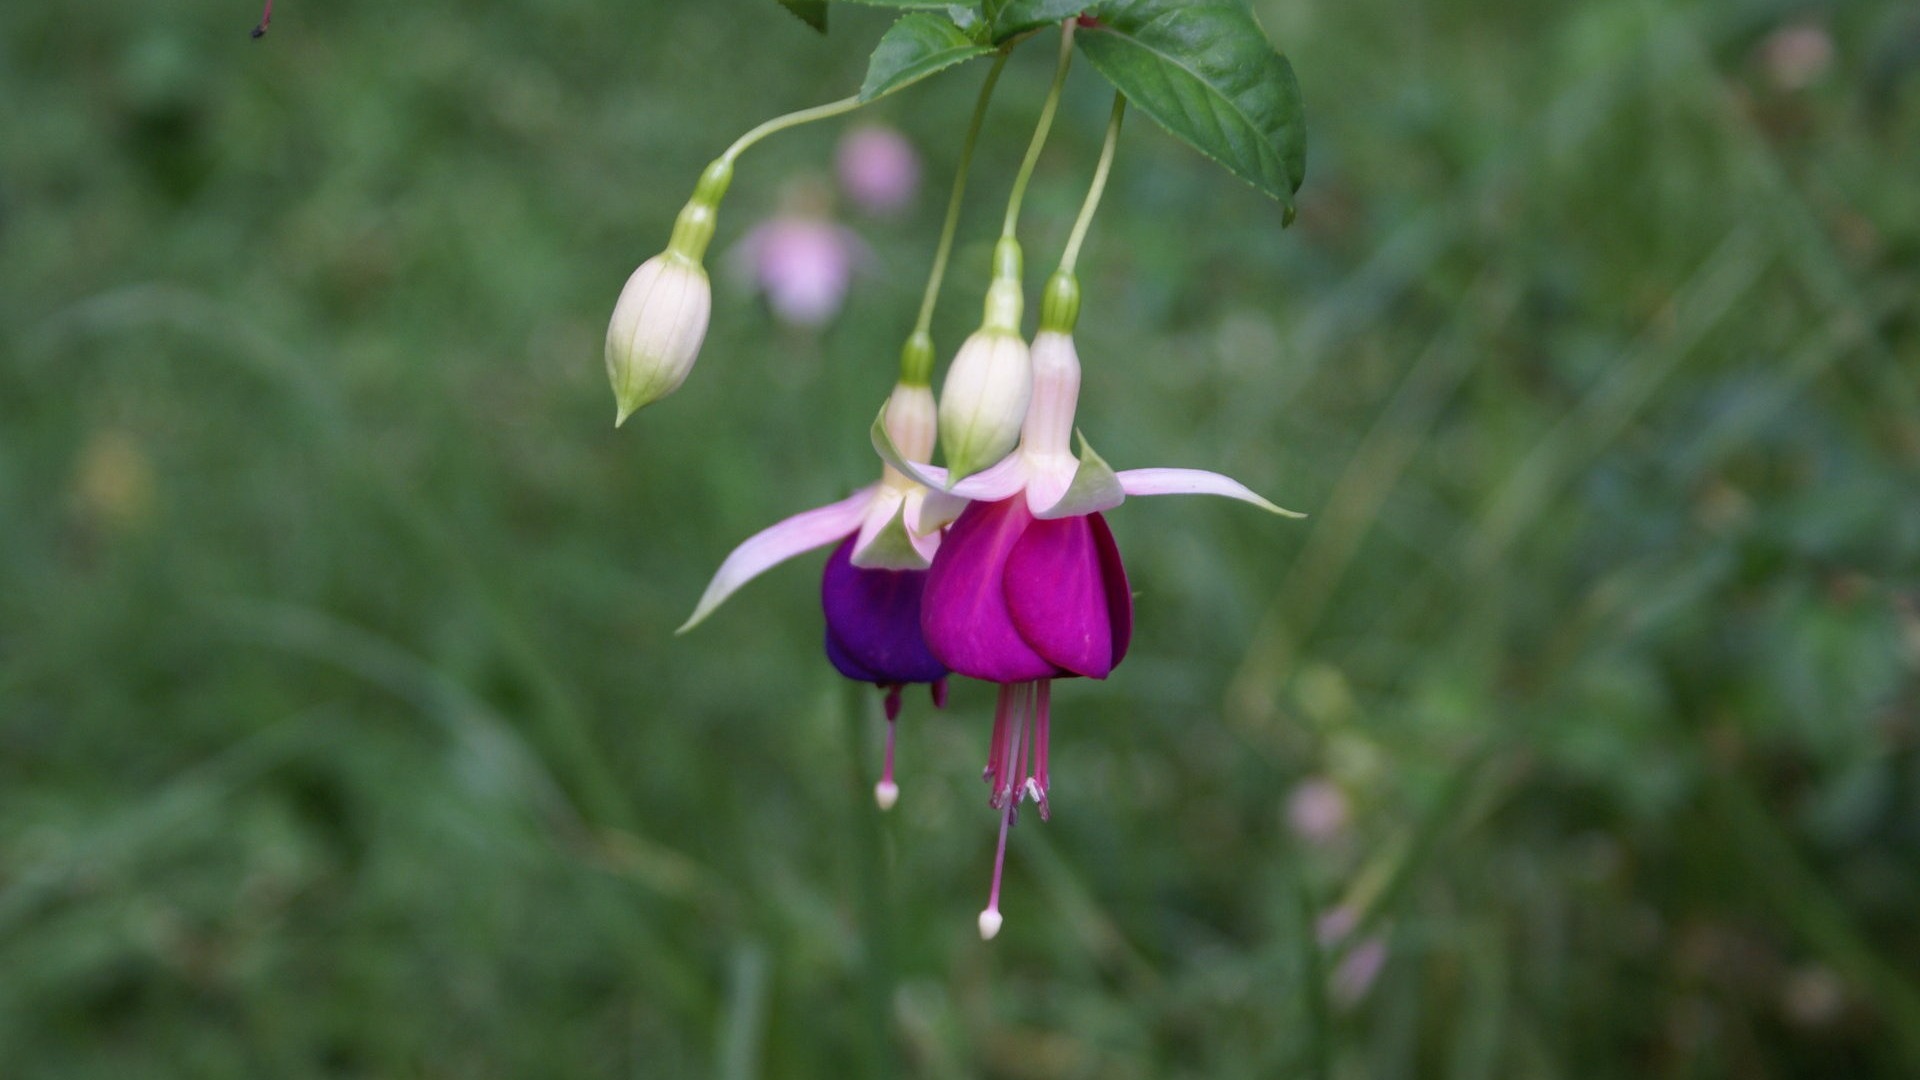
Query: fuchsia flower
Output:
(1028,585)
(872,586)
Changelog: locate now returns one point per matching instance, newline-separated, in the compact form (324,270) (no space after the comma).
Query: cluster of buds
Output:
(998,566)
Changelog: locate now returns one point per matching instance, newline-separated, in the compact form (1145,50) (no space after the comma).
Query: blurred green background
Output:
(342,728)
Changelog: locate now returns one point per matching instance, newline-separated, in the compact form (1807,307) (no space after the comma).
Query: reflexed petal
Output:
(992,485)
(1194,482)
(964,613)
(1055,592)
(1113,579)
(776,544)
(873,617)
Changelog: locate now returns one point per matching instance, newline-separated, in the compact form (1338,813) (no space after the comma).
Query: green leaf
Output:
(811,12)
(1204,70)
(911,5)
(1012,17)
(914,48)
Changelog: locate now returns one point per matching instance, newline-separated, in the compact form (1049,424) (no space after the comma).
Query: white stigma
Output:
(886,793)
(990,921)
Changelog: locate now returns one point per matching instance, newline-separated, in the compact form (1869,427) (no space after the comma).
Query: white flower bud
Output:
(984,400)
(656,331)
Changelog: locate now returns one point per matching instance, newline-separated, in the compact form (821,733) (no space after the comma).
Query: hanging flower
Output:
(871,588)
(1028,585)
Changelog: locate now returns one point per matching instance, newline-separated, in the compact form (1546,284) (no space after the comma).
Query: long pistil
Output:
(1011,754)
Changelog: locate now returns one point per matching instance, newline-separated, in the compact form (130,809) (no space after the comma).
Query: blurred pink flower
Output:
(803,263)
(1797,55)
(879,169)
(1317,811)
(1358,970)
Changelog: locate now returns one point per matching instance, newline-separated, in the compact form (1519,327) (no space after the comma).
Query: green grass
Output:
(342,727)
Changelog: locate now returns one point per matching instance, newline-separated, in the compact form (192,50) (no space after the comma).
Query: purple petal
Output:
(1055,591)
(837,654)
(873,619)
(1194,482)
(1113,579)
(964,614)
(776,544)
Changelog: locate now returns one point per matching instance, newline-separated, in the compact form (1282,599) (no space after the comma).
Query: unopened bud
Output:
(656,330)
(984,400)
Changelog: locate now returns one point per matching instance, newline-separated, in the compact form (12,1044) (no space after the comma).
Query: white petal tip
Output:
(990,921)
(886,793)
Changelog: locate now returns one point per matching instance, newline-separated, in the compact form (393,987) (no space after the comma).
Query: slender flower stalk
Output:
(1040,131)
(1071,256)
(916,359)
(990,380)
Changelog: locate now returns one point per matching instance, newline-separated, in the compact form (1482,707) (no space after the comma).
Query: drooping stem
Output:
(1099,188)
(916,356)
(1040,130)
(790,120)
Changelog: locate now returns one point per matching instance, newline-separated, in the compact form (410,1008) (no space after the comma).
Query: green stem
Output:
(1099,188)
(792,119)
(927,302)
(1040,131)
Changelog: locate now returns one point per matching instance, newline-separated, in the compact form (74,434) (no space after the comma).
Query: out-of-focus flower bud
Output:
(879,169)
(990,382)
(656,331)
(661,317)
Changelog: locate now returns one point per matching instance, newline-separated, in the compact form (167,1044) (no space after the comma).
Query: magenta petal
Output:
(873,622)
(1113,579)
(964,613)
(1056,594)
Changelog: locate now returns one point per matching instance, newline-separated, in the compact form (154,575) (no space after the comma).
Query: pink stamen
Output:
(1007,756)
(266,16)
(1022,749)
(893,703)
(939,689)
(991,774)
(1037,781)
